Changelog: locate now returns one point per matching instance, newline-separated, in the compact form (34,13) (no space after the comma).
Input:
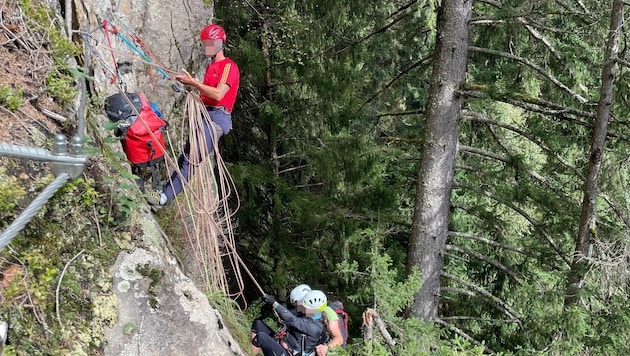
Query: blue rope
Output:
(166,76)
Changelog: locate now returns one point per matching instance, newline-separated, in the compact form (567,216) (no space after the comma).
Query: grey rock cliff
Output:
(161,312)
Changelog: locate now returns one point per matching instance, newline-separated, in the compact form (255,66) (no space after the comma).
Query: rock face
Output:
(160,310)
(170,31)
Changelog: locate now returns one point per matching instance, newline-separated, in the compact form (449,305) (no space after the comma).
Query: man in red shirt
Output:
(218,92)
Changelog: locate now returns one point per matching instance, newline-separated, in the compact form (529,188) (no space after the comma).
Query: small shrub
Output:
(10,194)
(10,99)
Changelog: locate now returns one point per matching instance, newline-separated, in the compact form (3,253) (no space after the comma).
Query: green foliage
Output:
(317,177)
(380,286)
(61,87)
(63,229)
(11,191)
(10,99)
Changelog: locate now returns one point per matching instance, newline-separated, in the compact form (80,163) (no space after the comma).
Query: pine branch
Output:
(476,291)
(571,10)
(381,29)
(533,66)
(494,3)
(503,246)
(537,177)
(623,62)
(395,79)
(526,102)
(537,105)
(401,113)
(395,139)
(617,210)
(539,37)
(526,216)
(479,118)
(545,181)
(461,333)
(487,320)
(483,153)
(486,259)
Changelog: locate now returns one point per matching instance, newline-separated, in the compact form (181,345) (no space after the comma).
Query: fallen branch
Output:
(59,285)
(371,316)
(59,118)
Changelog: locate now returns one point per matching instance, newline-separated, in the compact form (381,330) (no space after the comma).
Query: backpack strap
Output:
(155,174)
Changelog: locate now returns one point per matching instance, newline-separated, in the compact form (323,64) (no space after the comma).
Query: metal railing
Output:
(66,164)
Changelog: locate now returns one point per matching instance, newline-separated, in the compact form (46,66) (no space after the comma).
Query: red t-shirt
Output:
(223,71)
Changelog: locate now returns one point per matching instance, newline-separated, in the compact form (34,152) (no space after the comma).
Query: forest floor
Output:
(22,72)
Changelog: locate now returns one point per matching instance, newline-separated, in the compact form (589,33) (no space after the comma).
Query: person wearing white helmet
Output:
(303,333)
(331,319)
(297,294)
(317,299)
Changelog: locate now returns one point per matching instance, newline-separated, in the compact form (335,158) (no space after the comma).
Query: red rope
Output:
(109,43)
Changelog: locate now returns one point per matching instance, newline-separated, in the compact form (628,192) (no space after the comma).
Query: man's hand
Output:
(186,78)
(322,349)
(269,299)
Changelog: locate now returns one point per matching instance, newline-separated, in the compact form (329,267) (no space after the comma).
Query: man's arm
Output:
(337,339)
(211,92)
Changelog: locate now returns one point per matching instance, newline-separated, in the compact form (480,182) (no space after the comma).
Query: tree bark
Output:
(437,163)
(587,229)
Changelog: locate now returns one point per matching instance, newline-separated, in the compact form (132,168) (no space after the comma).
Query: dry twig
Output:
(59,285)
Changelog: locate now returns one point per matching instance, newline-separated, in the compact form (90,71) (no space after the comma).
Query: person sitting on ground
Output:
(303,333)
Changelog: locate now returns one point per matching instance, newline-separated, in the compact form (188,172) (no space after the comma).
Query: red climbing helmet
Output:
(213,32)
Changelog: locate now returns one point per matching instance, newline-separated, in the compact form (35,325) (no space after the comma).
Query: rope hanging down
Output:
(204,206)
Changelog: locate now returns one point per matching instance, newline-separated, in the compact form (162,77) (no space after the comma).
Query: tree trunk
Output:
(588,226)
(435,178)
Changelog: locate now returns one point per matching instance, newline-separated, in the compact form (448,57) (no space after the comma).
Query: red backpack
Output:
(141,135)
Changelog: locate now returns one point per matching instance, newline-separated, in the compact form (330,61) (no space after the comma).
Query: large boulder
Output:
(161,312)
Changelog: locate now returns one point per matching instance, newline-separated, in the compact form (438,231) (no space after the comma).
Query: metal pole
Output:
(38,154)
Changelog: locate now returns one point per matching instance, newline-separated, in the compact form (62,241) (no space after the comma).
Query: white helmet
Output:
(315,300)
(298,293)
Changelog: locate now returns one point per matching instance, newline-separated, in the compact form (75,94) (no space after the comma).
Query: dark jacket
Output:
(303,333)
